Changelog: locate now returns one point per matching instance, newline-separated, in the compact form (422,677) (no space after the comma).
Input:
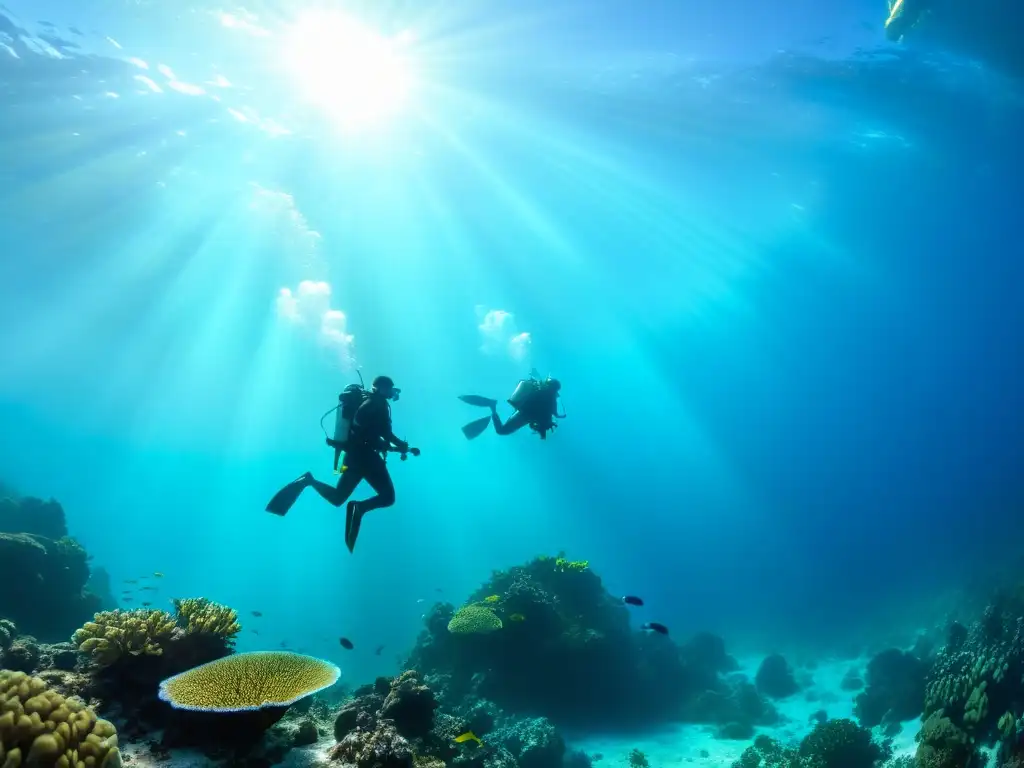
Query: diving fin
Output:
(476,428)
(483,402)
(287,496)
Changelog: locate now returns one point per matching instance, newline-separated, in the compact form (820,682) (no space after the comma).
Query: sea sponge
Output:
(474,619)
(112,635)
(197,615)
(39,727)
(246,682)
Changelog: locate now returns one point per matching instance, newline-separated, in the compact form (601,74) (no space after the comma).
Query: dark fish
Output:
(131,581)
(254,631)
(128,599)
(654,626)
(284,643)
(438,589)
(257,614)
(147,589)
(346,643)
(146,603)
(632,600)
(379,649)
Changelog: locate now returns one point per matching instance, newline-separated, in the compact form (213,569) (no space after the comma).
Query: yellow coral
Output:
(474,619)
(249,681)
(114,634)
(39,727)
(199,615)
(576,566)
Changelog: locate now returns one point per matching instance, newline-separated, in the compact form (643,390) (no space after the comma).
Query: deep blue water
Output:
(774,261)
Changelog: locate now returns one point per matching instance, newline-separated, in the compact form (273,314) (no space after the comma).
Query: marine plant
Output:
(572,566)
(638,759)
(39,727)
(245,682)
(112,635)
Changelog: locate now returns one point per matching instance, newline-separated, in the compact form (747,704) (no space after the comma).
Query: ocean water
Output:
(774,260)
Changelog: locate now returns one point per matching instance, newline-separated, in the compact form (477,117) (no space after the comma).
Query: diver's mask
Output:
(395,393)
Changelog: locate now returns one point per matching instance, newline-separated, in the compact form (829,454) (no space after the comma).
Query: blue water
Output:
(774,260)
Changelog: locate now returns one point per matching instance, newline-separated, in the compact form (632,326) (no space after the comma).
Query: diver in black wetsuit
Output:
(536,404)
(371,438)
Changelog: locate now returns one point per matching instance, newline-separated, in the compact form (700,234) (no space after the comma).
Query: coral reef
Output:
(40,727)
(547,637)
(112,635)
(895,689)
(32,516)
(775,679)
(831,744)
(398,723)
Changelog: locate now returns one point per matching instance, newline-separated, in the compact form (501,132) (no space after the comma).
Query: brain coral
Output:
(249,681)
(39,727)
(474,619)
(113,634)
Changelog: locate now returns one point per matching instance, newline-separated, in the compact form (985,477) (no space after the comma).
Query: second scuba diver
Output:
(535,401)
(365,444)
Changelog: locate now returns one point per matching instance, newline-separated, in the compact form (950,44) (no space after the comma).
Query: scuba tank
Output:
(345,411)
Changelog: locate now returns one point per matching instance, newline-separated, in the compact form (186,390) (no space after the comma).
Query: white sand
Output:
(697,744)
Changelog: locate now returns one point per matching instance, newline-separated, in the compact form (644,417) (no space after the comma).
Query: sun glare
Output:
(355,75)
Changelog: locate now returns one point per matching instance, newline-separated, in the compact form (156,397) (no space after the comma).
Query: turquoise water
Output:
(773,264)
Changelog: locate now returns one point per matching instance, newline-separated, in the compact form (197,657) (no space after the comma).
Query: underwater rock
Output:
(707,651)
(852,681)
(735,732)
(895,689)
(774,678)
(32,516)
(410,704)
(22,655)
(305,734)
(49,601)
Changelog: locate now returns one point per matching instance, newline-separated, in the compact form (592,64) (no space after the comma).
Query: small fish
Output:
(468,736)
(158,574)
(379,649)
(257,614)
(147,589)
(517,617)
(420,600)
(346,643)
(632,600)
(654,626)
(284,643)
(128,599)
(438,589)
(254,631)
(146,603)
(131,581)
(491,599)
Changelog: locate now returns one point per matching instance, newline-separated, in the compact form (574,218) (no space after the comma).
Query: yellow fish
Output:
(492,599)
(517,617)
(468,736)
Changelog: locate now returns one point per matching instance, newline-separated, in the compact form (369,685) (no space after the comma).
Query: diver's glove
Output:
(402,447)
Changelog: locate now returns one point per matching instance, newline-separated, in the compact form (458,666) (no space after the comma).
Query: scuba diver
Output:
(363,432)
(535,401)
(903,15)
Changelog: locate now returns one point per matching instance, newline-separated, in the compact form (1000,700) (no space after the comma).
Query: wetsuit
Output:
(364,459)
(537,414)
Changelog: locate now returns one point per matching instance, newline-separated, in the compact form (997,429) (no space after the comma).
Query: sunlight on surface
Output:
(354,74)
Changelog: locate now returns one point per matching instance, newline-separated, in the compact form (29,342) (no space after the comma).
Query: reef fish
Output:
(158,574)
(492,599)
(517,617)
(468,736)
(632,600)
(346,643)
(654,626)
(257,614)
(379,649)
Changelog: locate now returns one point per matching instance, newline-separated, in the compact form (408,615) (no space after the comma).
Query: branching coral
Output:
(112,635)
(249,681)
(39,727)
(197,615)
(572,566)
(474,619)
